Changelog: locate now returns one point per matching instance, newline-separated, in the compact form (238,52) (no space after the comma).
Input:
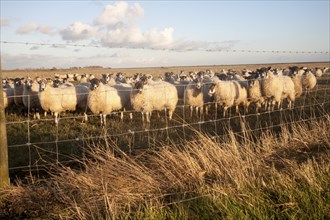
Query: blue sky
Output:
(135,33)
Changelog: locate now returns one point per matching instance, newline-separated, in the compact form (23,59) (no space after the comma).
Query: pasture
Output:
(267,164)
(36,144)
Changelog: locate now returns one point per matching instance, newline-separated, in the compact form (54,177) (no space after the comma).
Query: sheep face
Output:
(120,76)
(139,86)
(95,83)
(28,84)
(211,89)
(106,77)
(56,83)
(42,85)
(18,81)
(198,83)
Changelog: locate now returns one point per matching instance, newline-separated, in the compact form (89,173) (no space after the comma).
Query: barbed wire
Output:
(223,50)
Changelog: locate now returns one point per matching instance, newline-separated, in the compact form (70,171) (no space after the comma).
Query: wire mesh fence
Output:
(34,143)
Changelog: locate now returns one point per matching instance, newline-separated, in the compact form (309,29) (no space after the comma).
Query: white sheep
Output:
(104,99)
(194,96)
(157,95)
(272,88)
(288,91)
(255,94)
(227,94)
(309,81)
(318,72)
(296,77)
(58,100)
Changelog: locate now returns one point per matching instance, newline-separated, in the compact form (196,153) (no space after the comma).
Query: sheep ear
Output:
(269,68)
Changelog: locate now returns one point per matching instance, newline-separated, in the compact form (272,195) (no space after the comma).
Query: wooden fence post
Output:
(4,169)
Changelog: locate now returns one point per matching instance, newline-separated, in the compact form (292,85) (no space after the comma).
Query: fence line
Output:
(61,45)
(309,106)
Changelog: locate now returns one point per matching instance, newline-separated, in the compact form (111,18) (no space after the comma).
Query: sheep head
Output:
(212,89)
(95,83)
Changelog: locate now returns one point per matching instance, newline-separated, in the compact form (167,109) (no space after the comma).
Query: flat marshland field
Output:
(271,165)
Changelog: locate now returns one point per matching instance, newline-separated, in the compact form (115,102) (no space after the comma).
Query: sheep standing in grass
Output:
(30,97)
(58,100)
(254,93)
(288,91)
(272,88)
(157,95)
(224,93)
(296,77)
(309,81)
(104,99)
(194,96)
(318,72)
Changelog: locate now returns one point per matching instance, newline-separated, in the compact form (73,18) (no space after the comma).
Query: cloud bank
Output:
(118,26)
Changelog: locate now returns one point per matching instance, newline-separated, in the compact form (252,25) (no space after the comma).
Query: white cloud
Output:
(119,12)
(4,22)
(27,28)
(33,27)
(79,31)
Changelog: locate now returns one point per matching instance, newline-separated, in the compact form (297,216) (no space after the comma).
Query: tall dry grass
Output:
(267,176)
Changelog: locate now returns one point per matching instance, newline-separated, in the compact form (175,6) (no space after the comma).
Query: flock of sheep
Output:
(265,88)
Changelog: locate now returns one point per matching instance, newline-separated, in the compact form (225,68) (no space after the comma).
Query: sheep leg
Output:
(104,120)
(170,113)
(56,118)
(224,111)
(191,111)
(38,115)
(121,115)
(85,117)
(207,109)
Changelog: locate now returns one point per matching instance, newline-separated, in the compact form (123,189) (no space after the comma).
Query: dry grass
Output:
(278,176)
(155,71)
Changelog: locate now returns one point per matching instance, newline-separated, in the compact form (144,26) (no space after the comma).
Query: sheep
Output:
(194,96)
(104,99)
(297,81)
(254,93)
(272,88)
(318,72)
(288,91)
(156,95)
(227,94)
(309,81)
(58,100)
(30,97)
